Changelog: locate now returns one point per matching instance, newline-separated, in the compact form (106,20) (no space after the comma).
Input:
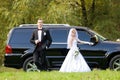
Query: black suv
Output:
(19,51)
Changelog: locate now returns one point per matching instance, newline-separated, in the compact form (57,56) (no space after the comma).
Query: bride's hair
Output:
(70,36)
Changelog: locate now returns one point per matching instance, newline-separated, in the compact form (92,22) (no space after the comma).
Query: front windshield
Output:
(99,36)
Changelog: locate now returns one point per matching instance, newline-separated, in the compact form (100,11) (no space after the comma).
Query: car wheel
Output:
(29,65)
(115,63)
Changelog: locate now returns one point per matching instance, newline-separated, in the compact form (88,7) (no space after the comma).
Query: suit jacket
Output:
(45,38)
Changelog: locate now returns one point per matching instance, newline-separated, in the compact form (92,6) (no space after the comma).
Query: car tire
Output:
(29,65)
(115,63)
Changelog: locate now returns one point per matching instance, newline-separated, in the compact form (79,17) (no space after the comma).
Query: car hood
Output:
(112,45)
(112,42)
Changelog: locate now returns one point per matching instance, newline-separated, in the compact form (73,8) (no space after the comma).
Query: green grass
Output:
(16,74)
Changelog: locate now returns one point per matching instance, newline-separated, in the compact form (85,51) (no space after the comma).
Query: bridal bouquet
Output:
(76,52)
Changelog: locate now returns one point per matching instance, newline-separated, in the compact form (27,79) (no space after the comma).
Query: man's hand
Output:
(37,41)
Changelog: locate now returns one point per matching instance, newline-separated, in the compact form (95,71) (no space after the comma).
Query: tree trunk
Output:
(92,13)
(84,13)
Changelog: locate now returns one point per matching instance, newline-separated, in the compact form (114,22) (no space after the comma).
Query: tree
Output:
(84,13)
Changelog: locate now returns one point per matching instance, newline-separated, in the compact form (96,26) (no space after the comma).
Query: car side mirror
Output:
(94,39)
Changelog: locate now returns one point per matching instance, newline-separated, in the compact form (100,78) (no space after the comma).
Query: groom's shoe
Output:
(48,70)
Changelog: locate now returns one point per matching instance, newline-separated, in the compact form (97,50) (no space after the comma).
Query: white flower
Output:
(76,52)
(44,33)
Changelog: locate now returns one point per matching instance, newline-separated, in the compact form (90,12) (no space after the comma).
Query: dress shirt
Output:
(39,35)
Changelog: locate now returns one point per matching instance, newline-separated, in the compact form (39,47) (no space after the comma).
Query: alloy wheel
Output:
(30,66)
(116,65)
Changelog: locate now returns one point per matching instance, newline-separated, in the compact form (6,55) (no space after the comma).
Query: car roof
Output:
(45,25)
(51,26)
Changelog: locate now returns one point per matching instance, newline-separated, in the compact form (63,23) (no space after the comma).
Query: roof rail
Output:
(25,25)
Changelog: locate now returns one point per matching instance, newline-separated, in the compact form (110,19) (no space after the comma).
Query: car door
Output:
(58,49)
(94,55)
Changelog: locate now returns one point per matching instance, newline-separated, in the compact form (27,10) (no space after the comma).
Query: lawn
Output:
(15,74)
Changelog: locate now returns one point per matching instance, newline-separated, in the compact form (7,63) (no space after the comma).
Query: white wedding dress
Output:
(74,62)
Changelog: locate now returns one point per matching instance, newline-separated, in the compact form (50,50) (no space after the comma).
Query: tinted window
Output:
(59,35)
(21,36)
(83,35)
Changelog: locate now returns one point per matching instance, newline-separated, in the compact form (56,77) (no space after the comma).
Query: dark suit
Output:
(39,55)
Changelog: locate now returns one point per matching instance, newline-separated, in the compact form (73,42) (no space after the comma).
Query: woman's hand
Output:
(90,43)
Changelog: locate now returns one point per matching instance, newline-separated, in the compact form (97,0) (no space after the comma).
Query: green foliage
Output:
(61,11)
(107,22)
(107,26)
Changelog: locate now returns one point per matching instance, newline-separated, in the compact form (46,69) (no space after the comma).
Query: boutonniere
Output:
(44,33)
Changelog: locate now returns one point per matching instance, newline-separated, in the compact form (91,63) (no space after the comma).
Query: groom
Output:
(42,40)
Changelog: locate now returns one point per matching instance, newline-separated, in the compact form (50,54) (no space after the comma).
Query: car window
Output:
(21,36)
(59,35)
(83,35)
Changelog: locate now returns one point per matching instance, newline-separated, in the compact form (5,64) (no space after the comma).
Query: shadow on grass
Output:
(6,69)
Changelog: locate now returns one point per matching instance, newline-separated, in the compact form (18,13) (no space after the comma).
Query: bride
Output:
(74,61)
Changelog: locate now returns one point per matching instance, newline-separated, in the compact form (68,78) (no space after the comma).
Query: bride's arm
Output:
(84,42)
(70,43)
